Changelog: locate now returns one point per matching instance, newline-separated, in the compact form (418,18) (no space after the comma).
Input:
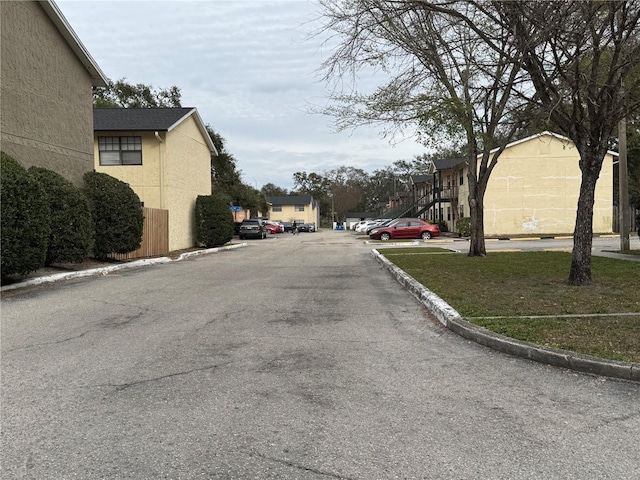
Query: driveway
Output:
(295,357)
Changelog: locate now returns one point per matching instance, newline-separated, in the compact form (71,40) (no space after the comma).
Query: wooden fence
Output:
(632,217)
(155,236)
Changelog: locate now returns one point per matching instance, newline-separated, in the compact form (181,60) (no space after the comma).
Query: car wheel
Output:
(385,236)
(241,237)
(425,235)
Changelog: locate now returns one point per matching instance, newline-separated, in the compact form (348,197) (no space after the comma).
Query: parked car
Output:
(306,227)
(378,224)
(288,226)
(362,226)
(405,228)
(272,228)
(358,226)
(252,228)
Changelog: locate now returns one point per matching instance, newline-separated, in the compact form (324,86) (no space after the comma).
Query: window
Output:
(461,178)
(299,208)
(448,213)
(461,211)
(277,208)
(120,150)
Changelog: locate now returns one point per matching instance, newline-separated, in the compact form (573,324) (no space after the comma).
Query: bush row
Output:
(45,219)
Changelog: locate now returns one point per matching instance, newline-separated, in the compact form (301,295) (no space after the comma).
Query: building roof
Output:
(98,78)
(147,120)
(447,163)
(421,179)
(291,200)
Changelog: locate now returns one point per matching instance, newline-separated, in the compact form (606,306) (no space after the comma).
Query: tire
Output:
(241,237)
(385,237)
(425,236)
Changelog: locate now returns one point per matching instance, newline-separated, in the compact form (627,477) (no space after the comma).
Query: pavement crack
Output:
(124,386)
(300,467)
(56,342)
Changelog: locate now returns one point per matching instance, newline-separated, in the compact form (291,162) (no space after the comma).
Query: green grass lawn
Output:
(602,319)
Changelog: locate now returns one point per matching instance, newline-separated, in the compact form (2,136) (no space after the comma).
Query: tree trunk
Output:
(580,273)
(477,246)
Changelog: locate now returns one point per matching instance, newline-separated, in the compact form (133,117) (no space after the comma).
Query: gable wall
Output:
(534,189)
(188,174)
(46,94)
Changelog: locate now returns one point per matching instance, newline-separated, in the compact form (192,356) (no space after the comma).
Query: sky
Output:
(251,68)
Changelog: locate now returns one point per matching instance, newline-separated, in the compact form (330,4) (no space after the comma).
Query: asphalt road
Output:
(296,357)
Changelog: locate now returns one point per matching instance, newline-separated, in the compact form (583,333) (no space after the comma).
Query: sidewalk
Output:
(91,267)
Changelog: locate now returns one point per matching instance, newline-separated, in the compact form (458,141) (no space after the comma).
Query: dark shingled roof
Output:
(421,178)
(141,119)
(290,200)
(447,163)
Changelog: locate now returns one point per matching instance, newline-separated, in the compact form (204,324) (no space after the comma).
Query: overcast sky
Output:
(249,68)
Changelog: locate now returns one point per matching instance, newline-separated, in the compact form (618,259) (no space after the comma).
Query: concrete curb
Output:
(58,277)
(451,319)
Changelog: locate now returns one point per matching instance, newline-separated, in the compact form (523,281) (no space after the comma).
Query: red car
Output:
(405,228)
(272,228)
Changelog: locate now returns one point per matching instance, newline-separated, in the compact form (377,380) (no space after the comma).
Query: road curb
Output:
(58,277)
(451,319)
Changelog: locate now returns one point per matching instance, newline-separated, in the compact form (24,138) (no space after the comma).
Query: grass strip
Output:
(517,284)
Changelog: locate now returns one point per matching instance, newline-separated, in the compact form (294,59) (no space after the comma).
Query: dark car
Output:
(405,228)
(252,228)
(288,226)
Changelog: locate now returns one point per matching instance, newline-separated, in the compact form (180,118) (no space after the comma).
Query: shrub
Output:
(214,221)
(24,219)
(117,214)
(464,226)
(71,236)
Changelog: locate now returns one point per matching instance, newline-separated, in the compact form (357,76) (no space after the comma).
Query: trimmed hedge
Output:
(214,220)
(117,214)
(24,219)
(71,236)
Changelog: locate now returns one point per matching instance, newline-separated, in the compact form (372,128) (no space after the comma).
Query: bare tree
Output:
(451,74)
(583,62)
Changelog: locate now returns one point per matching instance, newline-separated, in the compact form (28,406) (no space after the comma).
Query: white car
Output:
(359,225)
(363,228)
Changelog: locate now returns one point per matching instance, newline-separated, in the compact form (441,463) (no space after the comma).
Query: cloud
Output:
(251,70)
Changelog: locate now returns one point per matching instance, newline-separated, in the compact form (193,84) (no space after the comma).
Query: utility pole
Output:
(623,187)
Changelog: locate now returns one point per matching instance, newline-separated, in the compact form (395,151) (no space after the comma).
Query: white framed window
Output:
(120,150)
(276,208)
(299,208)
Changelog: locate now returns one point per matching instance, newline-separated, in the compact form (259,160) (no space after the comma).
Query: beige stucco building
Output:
(164,154)
(301,209)
(46,80)
(533,189)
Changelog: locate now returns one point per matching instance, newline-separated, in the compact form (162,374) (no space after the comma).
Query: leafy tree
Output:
(227,178)
(71,236)
(117,214)
(123,94)
(214,220)
(271,190)
(444,80)
(25,213)
(582,61)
